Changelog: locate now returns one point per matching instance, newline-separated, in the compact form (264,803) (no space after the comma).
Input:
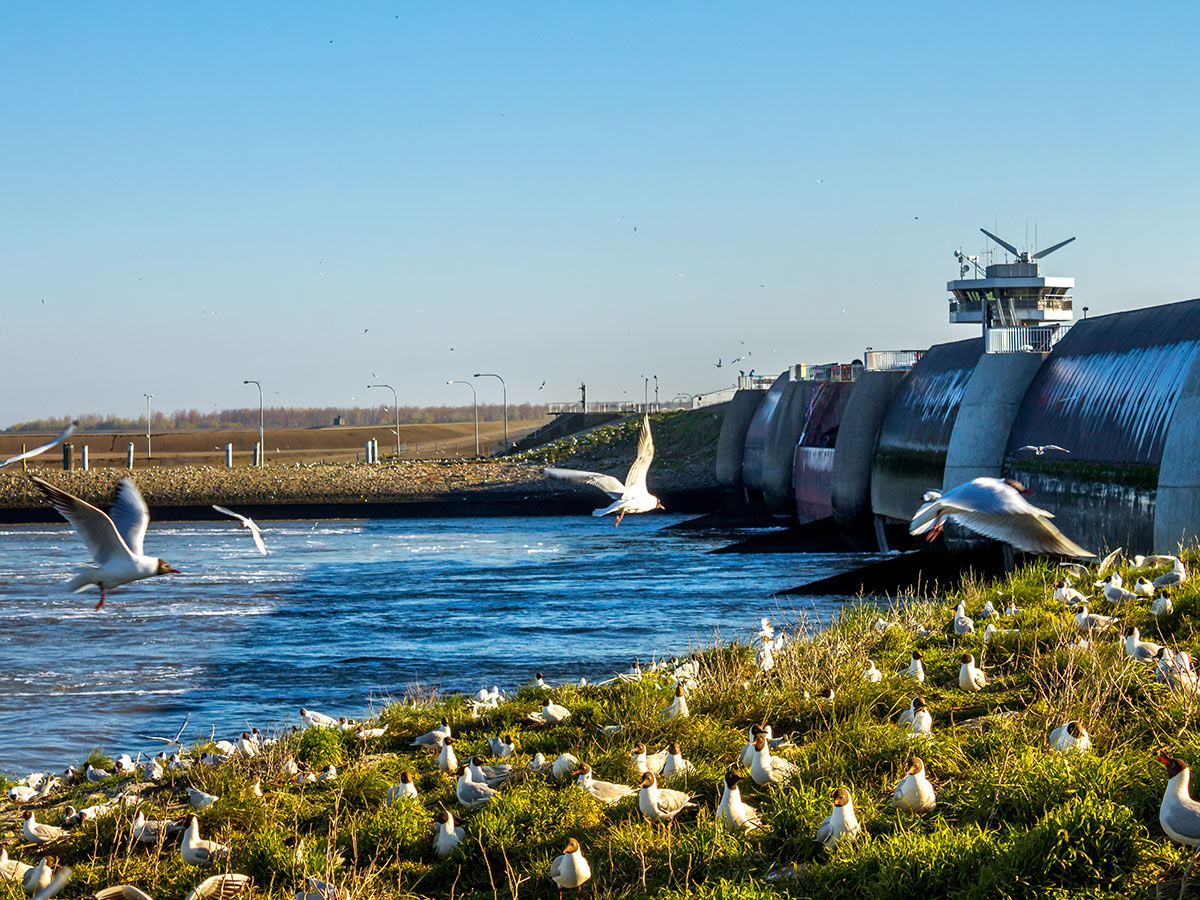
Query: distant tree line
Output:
(286,417)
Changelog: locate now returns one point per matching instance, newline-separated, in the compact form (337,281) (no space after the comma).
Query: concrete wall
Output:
(783,434)
(732,441)
(1177,504)
(812,482)
(755,448)
(985,415)
(850,479)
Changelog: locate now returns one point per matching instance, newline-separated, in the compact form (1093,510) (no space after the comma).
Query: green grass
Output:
(1014,819)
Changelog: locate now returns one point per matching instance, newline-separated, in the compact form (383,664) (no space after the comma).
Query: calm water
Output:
(350,612)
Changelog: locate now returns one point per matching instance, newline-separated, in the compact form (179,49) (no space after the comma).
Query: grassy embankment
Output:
(1014,819)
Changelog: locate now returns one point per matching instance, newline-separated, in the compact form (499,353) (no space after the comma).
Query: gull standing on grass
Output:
(732,812)
(605,791)
(247,522)
(1070,738)
(37,451)
(1179,814)
(995,508)
(970,676)
(630,496)
(914,793)
(114,539)
(841,824)
(661,804)
(570,870)
(448,835)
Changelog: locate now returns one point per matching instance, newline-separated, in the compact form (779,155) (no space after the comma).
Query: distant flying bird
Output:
(542,385)
(995,508)
(114,539)
(1040,449)
(247,522)
(630,496)
(718,363)
(28,454)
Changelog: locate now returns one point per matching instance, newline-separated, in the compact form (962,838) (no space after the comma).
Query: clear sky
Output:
(320,194)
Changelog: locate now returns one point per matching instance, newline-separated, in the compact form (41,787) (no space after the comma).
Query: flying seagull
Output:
(1040,449)
(247,522)
(43,448)
(114,539)
(630,496)
(995,508)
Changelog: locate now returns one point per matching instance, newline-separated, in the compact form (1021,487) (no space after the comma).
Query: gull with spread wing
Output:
(42,448)
(247,522)
(114,538)
(630,496)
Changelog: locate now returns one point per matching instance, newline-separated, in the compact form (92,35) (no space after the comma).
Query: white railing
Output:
(890,360)
(1023,338)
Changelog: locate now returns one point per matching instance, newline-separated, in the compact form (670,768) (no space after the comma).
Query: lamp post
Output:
(645,394)
(475,403)
(148,454)
(504,389)
(396,406)
(262,447)
(656,393)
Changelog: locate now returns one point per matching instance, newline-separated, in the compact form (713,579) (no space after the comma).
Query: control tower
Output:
(1011,294)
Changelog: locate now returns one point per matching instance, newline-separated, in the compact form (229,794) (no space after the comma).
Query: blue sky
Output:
(309,193)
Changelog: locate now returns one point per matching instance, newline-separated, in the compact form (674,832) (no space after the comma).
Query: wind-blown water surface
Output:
(343,613)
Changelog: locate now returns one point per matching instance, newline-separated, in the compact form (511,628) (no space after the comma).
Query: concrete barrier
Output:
(732,441)
(779,454)
(854,451)
(754,451)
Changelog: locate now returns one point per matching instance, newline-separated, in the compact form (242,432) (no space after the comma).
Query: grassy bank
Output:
(1014,818)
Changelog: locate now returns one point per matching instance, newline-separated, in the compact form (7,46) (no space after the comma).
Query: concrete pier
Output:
(732,442)
(854,454)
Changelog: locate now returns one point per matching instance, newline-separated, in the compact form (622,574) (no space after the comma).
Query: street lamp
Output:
(396,405)
(475,403)
(504,389)
(148,454)
(645,394)
(656,393)
(262,447)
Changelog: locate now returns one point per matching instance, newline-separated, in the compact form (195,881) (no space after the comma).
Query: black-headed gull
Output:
(1070,738)
(643,763)
(198,852)
(224,887)
(448,836)
(39,832)
(114,538)
(995,508)
(735,814)
(630,496)
(916,668)
(841,824)
(605,791)
(247,522)
(1179,814)
(570,870)
(406,789)
(914,793)
(1177,575)
(37,451)
(970,676)
(661,804)
(766,768)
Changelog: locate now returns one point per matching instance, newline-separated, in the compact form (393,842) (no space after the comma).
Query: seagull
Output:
(1161,606)
(570,870)
(1136,648)
(447,761)
(970,677)
(922,720)
(563,766)
(247,522)
(1143,587)
(605,791)
(199,799)
(433,739)
(38,832)
(1179,814)
(38,877)
(675,765)
(995,508)
(448,836)
(37,451)
(1107,563)
(1087,621)
(1177,575)
(963,624)
(631,496)
(988,610)
(151,831)
(1069,738)
(472,794)
(678,708)
(916,668)
(872,674)
(661,804)
(1067,595)
(914,793)
(551,713)
(319,890)
(841,824)
(489,775)
(405,789)
(1040,449)
(198,852)
(1115,593)
(115,539)
(766,768)
(643,763)
(732,812)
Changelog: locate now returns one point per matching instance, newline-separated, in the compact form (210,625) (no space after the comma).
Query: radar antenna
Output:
(1025,257)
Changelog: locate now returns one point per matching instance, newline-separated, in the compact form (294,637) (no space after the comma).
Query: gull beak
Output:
(173,570)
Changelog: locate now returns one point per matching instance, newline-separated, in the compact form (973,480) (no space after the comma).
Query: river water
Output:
(346,614)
